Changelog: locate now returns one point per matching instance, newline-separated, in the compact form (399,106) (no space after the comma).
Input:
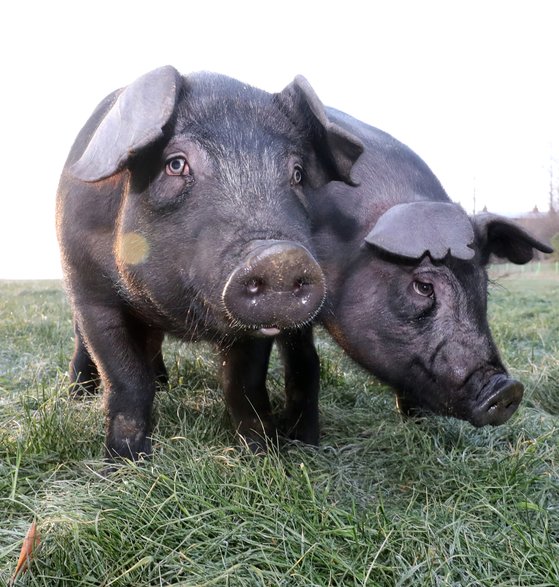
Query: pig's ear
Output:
(134,121)
(335,149)
(415,229)
(503,238)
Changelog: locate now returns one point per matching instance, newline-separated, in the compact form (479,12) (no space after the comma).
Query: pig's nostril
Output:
(254,286)
(298,285)
(509,404)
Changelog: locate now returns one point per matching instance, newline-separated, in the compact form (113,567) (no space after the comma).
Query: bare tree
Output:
(553,183)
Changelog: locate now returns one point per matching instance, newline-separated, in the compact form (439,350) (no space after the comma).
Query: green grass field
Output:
(383,502)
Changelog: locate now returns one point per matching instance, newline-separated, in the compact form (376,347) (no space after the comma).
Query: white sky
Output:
(472,86)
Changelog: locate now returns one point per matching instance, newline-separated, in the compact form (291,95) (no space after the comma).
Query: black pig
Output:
(182,209)
(407,282)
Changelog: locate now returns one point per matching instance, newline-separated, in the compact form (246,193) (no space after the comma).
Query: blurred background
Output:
(472,87)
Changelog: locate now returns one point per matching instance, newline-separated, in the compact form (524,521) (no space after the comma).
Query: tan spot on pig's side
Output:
(132,248)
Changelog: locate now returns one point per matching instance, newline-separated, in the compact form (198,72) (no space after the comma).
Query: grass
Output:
(383,502)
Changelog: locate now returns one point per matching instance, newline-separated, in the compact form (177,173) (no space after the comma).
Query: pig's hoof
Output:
(257,447)
(309,437)
(109,470)
(253,445)
(307,432)
(258,443)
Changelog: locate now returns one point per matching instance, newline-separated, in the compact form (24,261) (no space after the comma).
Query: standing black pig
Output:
(407,282)
(181,209)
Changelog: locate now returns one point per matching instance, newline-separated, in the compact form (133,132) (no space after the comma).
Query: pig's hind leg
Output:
(84,377)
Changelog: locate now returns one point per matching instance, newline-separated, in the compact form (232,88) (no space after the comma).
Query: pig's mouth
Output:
(270,331)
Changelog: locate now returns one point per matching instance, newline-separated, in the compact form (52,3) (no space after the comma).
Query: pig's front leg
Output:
(302,384)
(244,369)
(124,350)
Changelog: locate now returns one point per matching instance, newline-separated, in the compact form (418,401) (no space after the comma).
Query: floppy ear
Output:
(134,121)
(336,149)
(503,238)
(417,228)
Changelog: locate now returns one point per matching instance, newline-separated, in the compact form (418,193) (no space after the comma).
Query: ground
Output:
(384,501)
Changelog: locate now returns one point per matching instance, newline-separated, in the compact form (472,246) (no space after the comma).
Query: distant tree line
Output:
(544,226)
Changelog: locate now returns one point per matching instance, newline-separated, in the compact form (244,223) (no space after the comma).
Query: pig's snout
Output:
(279,285)
(500,399)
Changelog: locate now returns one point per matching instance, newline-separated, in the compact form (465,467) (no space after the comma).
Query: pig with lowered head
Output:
(182,209)
(407,282)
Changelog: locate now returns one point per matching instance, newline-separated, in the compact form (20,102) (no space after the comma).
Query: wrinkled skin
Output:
(418,323)
(182,209)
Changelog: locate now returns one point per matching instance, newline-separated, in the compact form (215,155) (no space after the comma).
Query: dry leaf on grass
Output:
(30,543)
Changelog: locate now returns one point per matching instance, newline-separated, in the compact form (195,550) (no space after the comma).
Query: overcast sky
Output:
(471,86)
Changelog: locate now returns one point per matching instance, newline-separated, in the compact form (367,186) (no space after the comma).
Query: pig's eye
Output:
(424,289)
(177,166)
(297,175)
